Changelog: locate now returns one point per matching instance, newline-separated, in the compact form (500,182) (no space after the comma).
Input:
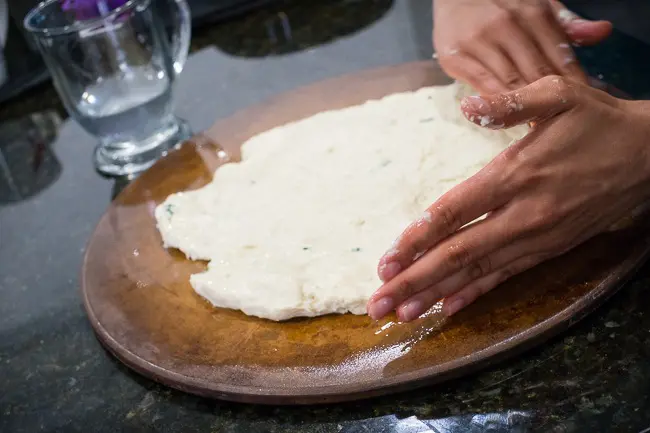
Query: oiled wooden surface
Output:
(144,310)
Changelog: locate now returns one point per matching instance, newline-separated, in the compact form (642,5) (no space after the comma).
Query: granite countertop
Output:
(55,377)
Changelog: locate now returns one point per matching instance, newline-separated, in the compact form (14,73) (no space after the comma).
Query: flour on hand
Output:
(296,229)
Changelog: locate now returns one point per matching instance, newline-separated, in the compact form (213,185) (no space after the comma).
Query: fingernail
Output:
(455,307)
(490,122)
(411,311)
(388,271)
(486,121)
(476,104)
(380,308)
(565,16)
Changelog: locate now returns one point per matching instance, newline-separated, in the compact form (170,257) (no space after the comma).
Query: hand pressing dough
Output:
(297,228)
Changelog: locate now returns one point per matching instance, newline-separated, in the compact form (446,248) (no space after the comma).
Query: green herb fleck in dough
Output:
(356,250)
(386,162)
(428,119)
(306,248)
(170,210)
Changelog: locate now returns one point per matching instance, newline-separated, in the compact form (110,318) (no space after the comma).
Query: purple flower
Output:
(89,9)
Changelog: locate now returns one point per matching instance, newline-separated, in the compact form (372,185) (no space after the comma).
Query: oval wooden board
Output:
(144,311)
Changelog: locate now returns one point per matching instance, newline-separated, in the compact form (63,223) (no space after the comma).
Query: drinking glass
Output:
(114,70)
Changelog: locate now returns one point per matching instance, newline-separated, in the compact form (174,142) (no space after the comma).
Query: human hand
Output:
(500,45)
(581,169)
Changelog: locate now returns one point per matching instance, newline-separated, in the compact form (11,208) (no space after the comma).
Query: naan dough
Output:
(297,228)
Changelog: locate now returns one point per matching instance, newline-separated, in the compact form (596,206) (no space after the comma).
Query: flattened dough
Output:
(297,228)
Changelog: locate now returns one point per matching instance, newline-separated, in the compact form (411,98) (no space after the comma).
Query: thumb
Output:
(579,30)
(540,100)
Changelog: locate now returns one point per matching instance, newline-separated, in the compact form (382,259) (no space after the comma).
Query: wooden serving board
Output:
(144,310)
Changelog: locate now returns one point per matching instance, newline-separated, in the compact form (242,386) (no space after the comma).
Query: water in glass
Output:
(115,72)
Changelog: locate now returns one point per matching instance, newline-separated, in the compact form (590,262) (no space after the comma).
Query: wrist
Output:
(641,108)
(640,112)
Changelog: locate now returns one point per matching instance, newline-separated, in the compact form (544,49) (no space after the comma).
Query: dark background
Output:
(54,375)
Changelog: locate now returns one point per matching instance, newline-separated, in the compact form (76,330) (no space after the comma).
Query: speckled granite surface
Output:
(55,377)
